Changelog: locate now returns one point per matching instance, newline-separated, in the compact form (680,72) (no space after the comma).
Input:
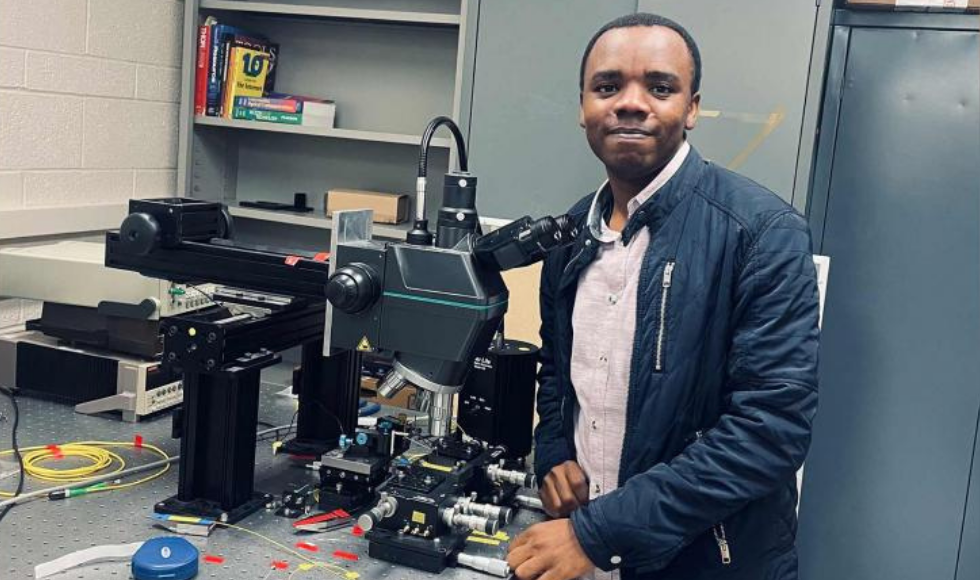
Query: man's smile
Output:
(629,134)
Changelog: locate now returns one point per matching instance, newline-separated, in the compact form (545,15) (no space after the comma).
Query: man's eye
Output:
(661,89)
(606,88)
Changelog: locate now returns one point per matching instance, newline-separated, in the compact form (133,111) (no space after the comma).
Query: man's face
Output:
(636,99)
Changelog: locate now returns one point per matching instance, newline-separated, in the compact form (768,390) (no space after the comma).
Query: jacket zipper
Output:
(662,331)
(574,258)
(721,538)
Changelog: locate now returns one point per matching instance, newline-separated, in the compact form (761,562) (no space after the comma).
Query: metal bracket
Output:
(349,226)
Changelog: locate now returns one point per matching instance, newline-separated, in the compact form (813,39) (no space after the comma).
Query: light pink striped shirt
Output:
(603,323)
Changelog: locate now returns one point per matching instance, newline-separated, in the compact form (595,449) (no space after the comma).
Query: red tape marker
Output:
(338,513)
(213,559)
(292,260)
(55,452)
(138,441)
(280,565)
(357,531)
(307,546)
(345,556)
(321,257)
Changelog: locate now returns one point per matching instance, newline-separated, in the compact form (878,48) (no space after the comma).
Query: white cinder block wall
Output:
(89,92)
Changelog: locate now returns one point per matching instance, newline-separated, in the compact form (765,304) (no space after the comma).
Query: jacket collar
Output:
(601,206)
(655,210)
(651,214)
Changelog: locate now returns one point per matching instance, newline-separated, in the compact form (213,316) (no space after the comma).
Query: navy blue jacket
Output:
(723,382)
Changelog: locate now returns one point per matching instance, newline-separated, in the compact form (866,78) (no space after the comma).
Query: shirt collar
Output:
(596,220)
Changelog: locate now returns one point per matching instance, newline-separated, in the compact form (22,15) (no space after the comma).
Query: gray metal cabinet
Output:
(525,143)
(532,156)
(968,567)
(756,58)
(896,205)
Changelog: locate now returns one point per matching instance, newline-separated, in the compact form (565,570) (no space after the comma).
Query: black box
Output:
(496,404)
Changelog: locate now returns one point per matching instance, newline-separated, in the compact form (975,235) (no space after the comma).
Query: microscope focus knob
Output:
(353,288)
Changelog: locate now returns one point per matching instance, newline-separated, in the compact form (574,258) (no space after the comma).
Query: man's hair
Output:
(646,19)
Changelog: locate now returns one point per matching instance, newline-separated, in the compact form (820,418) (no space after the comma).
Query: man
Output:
(679,344)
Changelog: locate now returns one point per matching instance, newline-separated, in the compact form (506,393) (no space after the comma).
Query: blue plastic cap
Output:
(165,558)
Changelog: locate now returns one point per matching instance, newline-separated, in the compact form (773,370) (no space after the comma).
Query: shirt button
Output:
(613,299)
(615,560)
(597,488)
(602,358)
(593,425)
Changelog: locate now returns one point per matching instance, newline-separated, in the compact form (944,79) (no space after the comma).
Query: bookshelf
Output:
(390,66)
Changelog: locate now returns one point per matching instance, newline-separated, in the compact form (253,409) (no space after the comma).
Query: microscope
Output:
(436,304)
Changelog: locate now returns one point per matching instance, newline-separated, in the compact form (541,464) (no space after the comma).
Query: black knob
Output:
(139,234)
(353,288)
(226,225)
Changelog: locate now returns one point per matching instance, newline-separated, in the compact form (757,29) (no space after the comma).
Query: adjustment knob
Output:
(139,234)
(353,288)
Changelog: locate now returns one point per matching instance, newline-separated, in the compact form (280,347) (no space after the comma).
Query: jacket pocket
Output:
(658,363)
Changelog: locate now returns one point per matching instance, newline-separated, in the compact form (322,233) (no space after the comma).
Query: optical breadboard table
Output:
(41,530)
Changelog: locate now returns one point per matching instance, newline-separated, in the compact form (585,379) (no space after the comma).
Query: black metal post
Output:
(217,447)
(328,398)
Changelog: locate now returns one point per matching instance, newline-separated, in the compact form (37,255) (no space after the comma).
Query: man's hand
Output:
(565,489)
(549,551)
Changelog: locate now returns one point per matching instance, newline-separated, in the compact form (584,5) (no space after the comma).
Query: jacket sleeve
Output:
(550,445)
(762,436)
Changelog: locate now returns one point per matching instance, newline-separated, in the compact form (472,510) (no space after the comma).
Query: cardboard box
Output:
(389,208)
(918,5)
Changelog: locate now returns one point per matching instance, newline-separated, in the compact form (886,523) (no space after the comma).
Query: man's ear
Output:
(693,111)
(581,112)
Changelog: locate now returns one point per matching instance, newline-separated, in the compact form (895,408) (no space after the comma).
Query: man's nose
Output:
(633,101)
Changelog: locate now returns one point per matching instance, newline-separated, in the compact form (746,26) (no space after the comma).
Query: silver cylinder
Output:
(392,383)
(440,414)
(529,502)
(386,508)
(500,513)
(493,566)
(498,474)
(452,517)
(420,198)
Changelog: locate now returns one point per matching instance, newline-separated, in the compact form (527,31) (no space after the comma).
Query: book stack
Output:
(235,79)
(287,109)
(231,61)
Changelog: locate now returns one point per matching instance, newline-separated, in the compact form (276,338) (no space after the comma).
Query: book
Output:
(266,116)
(270,79)
(228,42)
(215,60)
(247,70)
(223,37)
(201,71)
(270,104)
(316,112)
